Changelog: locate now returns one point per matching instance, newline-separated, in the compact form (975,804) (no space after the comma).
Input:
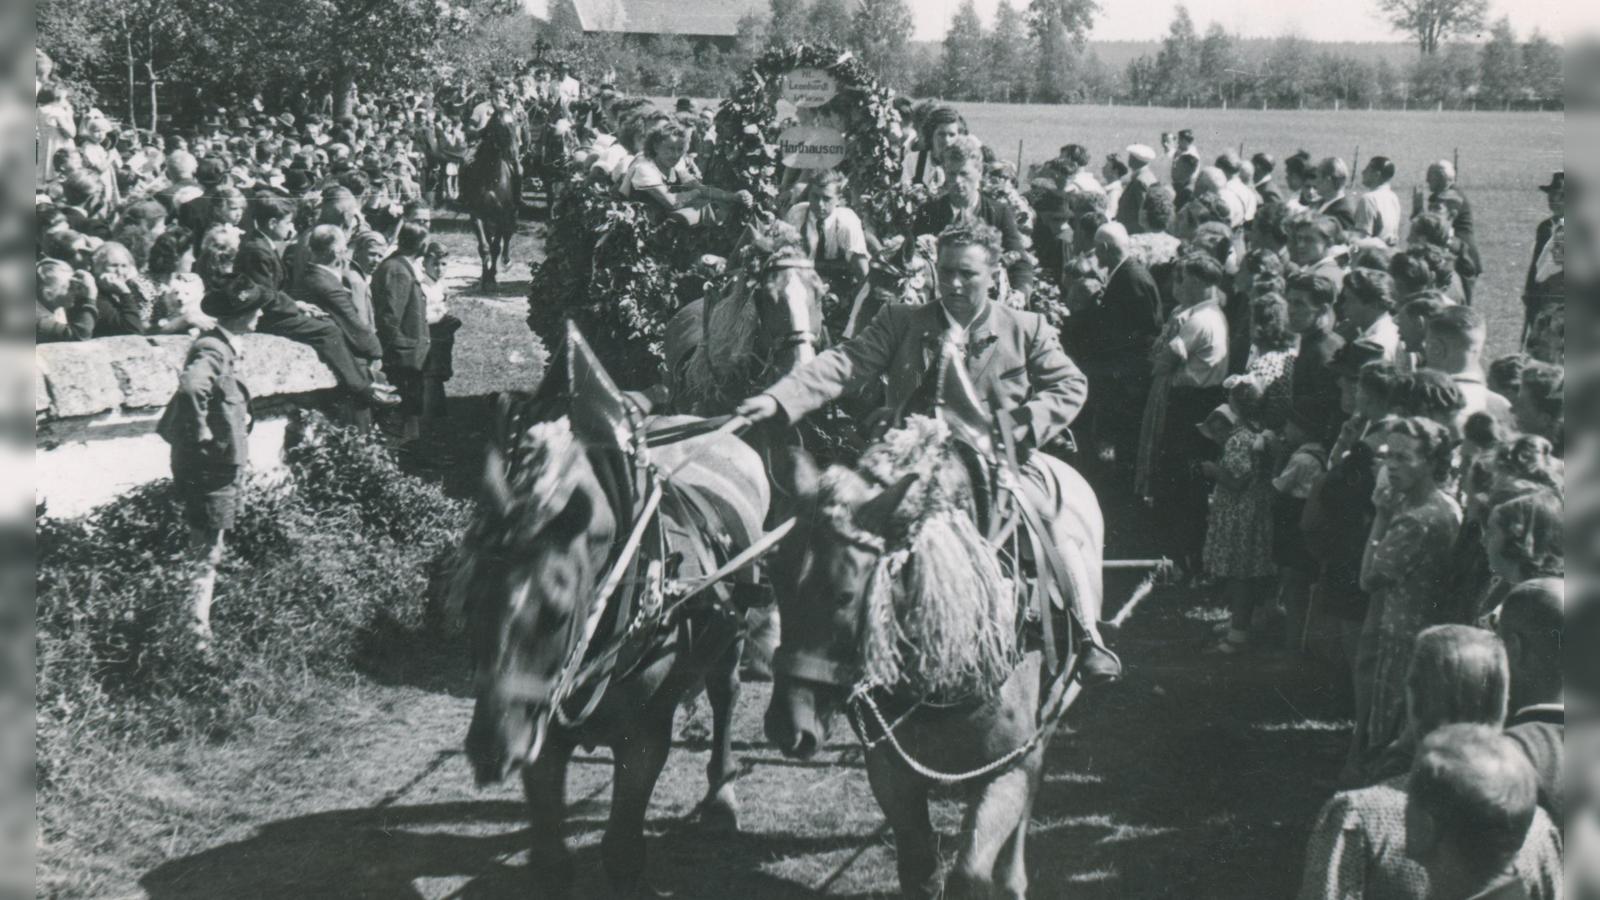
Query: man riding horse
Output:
(1015,360)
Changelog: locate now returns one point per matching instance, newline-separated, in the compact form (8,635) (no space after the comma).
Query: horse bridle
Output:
(814,667)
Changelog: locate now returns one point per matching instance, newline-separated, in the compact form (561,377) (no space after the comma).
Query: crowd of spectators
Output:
(1295,378)
(1293,375)
(136,228)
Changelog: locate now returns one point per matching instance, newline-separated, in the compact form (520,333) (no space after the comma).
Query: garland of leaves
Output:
(748,129)
(605,269)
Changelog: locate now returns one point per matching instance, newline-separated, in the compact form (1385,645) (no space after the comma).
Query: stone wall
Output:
(96,405)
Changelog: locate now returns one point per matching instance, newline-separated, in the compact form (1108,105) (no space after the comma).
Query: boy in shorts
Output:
(207,423)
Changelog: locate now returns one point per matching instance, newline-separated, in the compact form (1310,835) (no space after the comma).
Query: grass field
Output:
(1504,157)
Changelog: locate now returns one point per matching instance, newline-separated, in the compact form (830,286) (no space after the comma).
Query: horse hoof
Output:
(719,814)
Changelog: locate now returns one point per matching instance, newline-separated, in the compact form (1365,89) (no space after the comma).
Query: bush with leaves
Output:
(320,562)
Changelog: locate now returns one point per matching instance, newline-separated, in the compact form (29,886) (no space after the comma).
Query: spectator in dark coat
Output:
(1444,197)
(401,313)
(326,287)
(1140,180)
(1546,282)
(1315,394)
(122,307)
(1116,335)
(963,201)
(1332,184)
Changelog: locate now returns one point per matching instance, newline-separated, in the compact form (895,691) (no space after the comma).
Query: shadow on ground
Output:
(468,850)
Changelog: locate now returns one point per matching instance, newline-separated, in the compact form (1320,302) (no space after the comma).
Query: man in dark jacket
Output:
(325,285)
(1332,184)
(400,312)
(1530,624)
(207,423)
(1315,391)
(64,303)
(1116,335)
(259,263)
(963,200)
(1546,273)
(1140,181)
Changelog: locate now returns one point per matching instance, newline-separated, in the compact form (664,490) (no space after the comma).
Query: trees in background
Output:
(214,49)
(208,51)
(1434,23)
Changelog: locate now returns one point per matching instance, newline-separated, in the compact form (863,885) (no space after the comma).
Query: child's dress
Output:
(1239,523)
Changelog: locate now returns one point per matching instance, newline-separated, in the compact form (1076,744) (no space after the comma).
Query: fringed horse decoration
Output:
(909,615)
(593,578)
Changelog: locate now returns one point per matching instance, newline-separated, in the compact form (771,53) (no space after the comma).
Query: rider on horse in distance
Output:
(1013,356)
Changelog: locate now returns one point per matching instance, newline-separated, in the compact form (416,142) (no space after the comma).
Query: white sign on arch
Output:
(809,87)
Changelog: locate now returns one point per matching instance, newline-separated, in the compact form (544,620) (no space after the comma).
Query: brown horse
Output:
(904,613)
(491,191)
(570,508)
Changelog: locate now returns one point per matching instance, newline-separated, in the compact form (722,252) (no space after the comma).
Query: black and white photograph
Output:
(787,449)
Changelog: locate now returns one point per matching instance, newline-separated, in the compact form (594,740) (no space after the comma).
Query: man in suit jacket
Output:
(1315,385)
(1015,360)
(1332,184)
(400,312)
(1140,181)
(1116,335)
(258,263)
(1268,190)
(328,286)
(963,201)
(1546,272)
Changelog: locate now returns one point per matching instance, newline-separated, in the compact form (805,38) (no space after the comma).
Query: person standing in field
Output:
(1140,181)
(1379,213)
(207,424)
(1546,283)
(1443,196)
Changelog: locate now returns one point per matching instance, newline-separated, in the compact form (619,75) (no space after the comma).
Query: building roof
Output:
(700,18)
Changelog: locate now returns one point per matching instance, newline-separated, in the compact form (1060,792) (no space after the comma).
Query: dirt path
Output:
(1197,777)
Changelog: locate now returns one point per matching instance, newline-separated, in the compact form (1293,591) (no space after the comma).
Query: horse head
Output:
(535,552)
(892,586)
(531,561)
(789,308)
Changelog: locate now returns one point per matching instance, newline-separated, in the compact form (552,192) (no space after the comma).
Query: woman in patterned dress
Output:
(1405,564)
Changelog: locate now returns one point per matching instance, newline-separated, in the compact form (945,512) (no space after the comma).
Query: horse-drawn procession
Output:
(912,559)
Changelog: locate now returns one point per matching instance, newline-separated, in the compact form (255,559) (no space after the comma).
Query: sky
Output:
(1145,20)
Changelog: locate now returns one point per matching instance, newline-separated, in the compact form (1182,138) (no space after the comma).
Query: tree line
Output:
(138,56)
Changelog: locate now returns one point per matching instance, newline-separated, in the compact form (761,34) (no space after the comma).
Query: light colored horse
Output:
(894,577)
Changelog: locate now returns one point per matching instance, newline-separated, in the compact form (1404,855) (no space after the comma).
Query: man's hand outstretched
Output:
(758,408)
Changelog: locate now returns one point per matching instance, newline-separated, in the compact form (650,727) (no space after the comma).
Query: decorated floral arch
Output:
(749,130)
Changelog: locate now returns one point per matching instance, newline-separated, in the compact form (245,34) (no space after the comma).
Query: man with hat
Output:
(1546,274)
(207,424)
(1140,181)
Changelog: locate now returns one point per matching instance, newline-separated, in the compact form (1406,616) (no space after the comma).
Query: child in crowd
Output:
(439,365)
(1238,545)
(1307,461)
